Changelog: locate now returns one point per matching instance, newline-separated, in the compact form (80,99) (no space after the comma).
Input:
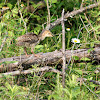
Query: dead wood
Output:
(71,14)
(85,80)
(63,49)
(49,58)
(46,68)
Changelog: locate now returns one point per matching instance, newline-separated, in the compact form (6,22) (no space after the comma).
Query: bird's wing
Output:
(31,38)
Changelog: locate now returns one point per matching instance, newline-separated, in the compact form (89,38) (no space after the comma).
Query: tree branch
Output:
(84,79)
(63,49)
(49,58)
(46,68)
(73,13)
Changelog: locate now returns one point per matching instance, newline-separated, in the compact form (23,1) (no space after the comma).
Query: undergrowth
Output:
(48,85)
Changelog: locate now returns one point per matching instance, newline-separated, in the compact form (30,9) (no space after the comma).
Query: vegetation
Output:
(48,85)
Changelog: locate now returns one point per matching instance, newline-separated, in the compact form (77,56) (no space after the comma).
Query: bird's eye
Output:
(48,33)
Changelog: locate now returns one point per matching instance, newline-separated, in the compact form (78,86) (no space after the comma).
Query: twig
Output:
(63,49)
(46,68)
(48,18)
(95,82)
(84,24)
(81,30)
(90,25)
(82,4)
(98,69)
(22,17)
(39,83)
(3,42)
(71,55)
(84,79)
(32,13)
(21,62)
(48,58)
(75,12)
(74,45)
(91,90)
(47,22)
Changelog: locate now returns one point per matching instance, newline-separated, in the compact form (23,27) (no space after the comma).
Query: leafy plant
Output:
(70,91)
(12,92)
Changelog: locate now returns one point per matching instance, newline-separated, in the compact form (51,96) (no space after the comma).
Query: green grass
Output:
(48,85)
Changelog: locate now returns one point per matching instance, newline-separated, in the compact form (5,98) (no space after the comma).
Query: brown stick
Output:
(91,26)
(84,79)
(46,68)
(48,21)
(54,57)
(73,13)
(63,49)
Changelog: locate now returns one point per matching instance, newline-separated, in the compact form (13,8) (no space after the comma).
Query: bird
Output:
(30,40)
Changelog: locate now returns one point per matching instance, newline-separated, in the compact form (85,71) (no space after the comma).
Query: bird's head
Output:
(45,34)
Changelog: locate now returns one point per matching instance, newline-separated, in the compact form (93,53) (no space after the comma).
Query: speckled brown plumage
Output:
(29,40)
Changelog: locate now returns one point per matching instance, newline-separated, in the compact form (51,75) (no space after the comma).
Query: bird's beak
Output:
(52,34)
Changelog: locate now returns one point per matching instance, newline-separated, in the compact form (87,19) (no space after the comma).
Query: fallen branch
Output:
(46,68)
(49,58)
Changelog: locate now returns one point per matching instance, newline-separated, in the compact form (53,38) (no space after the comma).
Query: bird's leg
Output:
(34,53)
(25,51)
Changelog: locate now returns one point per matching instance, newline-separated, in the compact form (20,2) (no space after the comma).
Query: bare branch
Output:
(63,49)
(83,24)
(46,68)
(22,17)
(48,58)
(67,15)
(84,79)
(3,42)
(48,18)
(91,26)
(82,4)
(91,90)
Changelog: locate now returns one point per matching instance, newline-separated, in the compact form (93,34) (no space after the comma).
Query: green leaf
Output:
(90,78)
(39,46)
(75,57)
(15,10)
(7,15)
(97,92)
(9,5)
(23,32)
(52,1)
(98,19)
(79,71)
(96,27)
(11,33)
(97,32)
(92,85)
(9,62)
(92,45)
(91,49)
(75,91)
(85,59)
(82,64)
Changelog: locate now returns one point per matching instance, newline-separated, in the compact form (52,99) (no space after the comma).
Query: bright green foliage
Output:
(12,92)
(48,85)
(71,90)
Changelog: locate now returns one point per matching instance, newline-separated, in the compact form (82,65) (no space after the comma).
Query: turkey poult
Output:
(30,40)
